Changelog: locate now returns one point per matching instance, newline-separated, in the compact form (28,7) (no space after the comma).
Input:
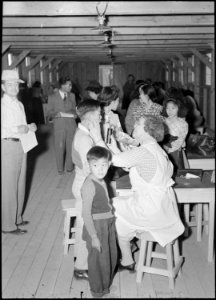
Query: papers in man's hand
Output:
(66,115)
(28,141)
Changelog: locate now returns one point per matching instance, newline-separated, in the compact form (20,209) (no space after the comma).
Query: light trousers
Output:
(80,246)
(14,162)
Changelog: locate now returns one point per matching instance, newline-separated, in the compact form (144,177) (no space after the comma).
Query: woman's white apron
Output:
(153,205)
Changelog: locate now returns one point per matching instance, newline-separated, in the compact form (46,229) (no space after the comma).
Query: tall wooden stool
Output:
(200,214)
(69,223)
(146,254)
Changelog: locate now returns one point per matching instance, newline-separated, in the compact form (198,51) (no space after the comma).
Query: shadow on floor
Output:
(43,134)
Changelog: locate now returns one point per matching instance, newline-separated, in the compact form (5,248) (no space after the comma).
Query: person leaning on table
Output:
(13,125)
(153,206)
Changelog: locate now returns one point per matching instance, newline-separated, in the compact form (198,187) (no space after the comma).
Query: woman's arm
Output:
(129,119)
(127,159)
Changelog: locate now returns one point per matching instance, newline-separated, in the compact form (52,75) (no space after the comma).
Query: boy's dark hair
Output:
(107,96)
(98,152)
(63,80)
(86,106)
(94,86)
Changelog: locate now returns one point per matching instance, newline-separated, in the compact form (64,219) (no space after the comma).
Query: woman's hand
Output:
(32,127)
(113,146)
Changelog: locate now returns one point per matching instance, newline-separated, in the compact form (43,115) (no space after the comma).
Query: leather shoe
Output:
(81,274)
(18,231)
(23,223)
(130,268)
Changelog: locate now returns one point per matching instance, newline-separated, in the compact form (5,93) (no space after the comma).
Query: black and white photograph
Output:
(108,149)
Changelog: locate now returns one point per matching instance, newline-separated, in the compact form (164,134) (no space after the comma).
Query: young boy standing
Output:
(99,223)
(85,138)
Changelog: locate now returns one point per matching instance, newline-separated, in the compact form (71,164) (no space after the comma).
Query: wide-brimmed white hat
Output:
(11,75)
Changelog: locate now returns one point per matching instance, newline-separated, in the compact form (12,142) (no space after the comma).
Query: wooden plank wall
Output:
(84,72)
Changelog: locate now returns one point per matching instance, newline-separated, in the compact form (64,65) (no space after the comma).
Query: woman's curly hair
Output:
(155,127)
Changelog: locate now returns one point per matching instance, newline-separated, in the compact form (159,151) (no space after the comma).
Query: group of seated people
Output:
(150,149)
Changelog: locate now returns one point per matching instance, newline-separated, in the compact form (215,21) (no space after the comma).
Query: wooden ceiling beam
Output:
(5,47)
(66,32)
(19,59)
(46,63)
(74,8)
(55,64)
(120,30)
(35,62)
(185,62)
(202,57)
(57,39)
(120,21)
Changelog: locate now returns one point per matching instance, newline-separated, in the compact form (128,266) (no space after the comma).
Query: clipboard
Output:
(28,141)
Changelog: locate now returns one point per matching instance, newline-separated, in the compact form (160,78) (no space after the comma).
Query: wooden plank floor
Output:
(34,266)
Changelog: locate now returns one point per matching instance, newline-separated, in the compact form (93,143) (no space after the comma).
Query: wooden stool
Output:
(69,224)
(144,261)
(200,215)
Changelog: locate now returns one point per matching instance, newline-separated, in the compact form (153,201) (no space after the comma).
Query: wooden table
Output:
(197,161)
(198,193)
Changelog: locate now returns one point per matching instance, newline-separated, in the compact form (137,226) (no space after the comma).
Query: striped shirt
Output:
(138,157)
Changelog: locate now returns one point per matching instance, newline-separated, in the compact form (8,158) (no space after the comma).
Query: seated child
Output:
(99,223)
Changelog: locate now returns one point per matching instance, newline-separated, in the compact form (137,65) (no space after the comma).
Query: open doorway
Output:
(106,75)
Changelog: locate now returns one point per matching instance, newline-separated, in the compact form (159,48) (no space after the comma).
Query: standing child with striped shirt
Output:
(99,223)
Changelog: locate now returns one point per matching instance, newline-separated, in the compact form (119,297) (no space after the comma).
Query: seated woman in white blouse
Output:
(153,205)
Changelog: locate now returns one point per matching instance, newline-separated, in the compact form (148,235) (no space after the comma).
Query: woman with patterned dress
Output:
(142,106)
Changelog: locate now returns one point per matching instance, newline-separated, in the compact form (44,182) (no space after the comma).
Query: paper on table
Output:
(28,141)
(189,175)
(66,115)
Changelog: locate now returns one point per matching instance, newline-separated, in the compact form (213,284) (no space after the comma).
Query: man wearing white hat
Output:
(13,125)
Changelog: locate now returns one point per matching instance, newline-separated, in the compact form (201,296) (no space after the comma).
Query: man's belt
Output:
(12,139)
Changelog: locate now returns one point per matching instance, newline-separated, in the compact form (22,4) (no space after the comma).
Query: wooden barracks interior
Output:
(167,41)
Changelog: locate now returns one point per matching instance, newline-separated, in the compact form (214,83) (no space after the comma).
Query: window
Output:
(106,75)
(167,73)
(208,71)
(41,73)
(191,60)
(10,59)
(27,63)
(181,78)
(50,73)
(57,73)
(173,71)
